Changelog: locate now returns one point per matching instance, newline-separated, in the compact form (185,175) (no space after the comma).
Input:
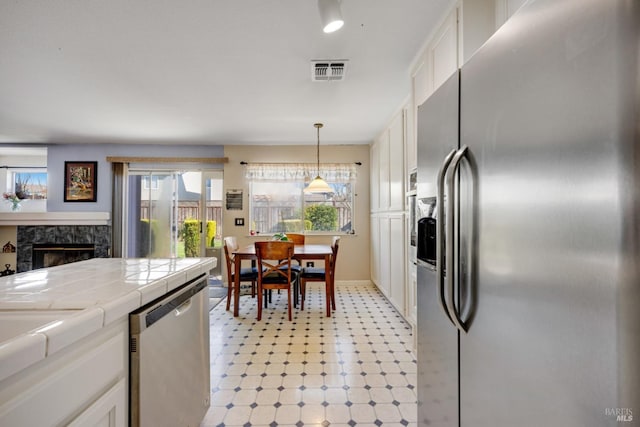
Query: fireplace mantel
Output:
(54,218)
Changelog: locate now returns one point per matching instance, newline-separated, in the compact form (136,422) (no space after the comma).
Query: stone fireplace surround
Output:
(28,235)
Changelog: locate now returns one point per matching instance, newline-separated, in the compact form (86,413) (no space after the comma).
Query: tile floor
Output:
(355,368)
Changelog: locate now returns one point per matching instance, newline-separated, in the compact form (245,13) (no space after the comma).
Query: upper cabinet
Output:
(387,163)
(374,175)
(460,34)
(438,61)
(442,52)
(505,9)
(396,163)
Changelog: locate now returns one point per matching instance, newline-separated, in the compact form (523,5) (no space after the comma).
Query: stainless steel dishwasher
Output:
(169,358)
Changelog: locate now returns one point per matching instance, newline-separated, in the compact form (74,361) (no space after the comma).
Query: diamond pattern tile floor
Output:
(353,369)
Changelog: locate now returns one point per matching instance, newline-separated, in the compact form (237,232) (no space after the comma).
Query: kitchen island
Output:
(64,337)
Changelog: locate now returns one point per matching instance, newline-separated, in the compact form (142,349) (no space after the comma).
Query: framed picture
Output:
(80,181)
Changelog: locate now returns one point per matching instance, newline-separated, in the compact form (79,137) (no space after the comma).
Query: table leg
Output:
(333,289)
(327,276)
(236,287)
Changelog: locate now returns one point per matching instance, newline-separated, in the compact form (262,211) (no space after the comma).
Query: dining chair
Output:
(274,270)
(297,239)
(247,274)
(319,274)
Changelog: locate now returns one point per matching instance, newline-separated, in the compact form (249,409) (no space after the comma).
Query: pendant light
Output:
(330,15)
(318,185)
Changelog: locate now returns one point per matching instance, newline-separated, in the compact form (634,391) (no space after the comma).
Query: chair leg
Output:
(333,294)
(259,302)
(289,302)
(229,291)
(303,292)
(253,289)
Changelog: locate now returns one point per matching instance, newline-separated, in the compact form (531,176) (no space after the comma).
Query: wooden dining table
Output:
(301,253)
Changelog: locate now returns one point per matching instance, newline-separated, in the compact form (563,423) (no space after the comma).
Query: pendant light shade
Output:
(318,185)
(330,15)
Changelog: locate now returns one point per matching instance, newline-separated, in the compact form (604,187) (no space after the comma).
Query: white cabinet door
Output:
(385,164)
(396,261)
(396,163)
(374,176)
(375,249)
(505,9)
(410,141)
(385,256)
(110,410)
(443,51)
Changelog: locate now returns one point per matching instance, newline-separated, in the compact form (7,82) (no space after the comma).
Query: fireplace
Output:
(79,240)
(52,254)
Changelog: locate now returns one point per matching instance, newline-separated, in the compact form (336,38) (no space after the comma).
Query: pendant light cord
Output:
(318,152)
(318,126)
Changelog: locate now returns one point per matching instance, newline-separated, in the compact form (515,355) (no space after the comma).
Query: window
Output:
(30,184)
(277,202)
(150,182)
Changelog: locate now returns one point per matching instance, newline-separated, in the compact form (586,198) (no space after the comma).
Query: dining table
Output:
(302,253)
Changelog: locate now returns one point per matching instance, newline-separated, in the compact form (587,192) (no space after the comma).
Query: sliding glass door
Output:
(151,226)
(173,214)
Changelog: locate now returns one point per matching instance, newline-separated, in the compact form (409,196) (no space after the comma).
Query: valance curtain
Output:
(330,172)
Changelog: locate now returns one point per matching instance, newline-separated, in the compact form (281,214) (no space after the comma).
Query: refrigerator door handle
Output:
(450,252)
(440,242)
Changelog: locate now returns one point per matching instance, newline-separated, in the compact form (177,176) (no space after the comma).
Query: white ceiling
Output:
(203,71)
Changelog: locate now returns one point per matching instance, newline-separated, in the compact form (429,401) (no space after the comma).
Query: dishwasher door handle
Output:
(184,307)
(152,313)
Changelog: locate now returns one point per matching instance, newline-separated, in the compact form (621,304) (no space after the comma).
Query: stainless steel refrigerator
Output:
(529,248)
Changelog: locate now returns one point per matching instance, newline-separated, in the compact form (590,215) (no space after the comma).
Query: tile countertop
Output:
(95,293)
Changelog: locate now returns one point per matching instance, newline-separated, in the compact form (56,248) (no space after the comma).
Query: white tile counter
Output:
(78,299)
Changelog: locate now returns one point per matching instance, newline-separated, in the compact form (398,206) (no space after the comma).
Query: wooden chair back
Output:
(297,239)
(274,258)
(335,244)
(230,245)
(274,269)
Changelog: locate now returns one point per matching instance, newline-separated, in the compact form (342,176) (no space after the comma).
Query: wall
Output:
(353,258)
(58,154)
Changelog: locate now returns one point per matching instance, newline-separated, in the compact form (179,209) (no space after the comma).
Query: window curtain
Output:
(119,175)
(330,172)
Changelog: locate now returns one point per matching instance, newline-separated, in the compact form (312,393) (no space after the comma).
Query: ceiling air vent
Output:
(326,71)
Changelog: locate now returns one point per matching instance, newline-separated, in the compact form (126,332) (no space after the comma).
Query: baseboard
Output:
(353,282)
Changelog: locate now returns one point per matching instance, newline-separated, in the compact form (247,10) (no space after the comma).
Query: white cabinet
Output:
(505,9)
(374,178)
(387,211)
(387,167)
(384,168)
(443,51)
(375,248)
(388,257)
(410,140)
(396,264)
(384,280)
(110,410)
(83,384)
(396,163)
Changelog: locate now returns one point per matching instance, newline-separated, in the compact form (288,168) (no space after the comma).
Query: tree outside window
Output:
(30,184)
